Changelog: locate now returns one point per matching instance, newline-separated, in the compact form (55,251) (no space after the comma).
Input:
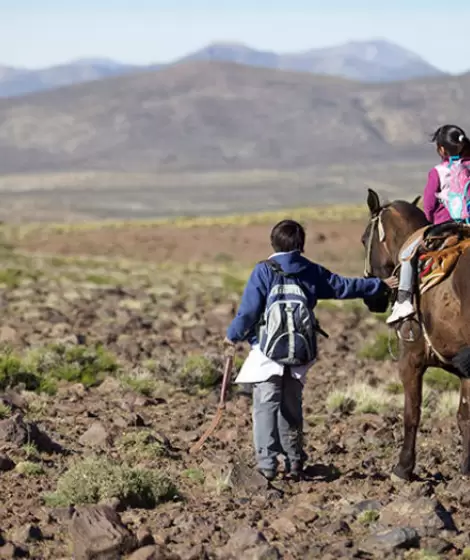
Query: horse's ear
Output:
(373,202)
(416,201)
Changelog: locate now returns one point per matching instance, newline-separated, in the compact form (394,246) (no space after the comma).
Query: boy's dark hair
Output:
(288,235)
(453,139)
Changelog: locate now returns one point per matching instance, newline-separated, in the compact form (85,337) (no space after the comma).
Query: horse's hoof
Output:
(399,474)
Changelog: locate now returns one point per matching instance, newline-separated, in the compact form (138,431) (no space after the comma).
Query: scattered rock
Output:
(6,464)
(144,537)
(393,539)
(10,550)
(153,552)
(27,534)
(426,515)
(8,335)
(98,534)
(14,430)
(367,505)
(96,436)
(338,528)
(246,480)
(284,526)
(243,539)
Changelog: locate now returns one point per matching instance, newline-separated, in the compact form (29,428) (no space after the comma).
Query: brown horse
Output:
(442,334)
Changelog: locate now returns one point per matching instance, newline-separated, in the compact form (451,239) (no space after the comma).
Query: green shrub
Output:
(440,380)
(200,371)
(96,479)
(5,411)
(380,348)
(368,517)
(28,468)
(141,445)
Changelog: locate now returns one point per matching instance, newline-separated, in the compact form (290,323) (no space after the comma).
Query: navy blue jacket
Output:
(317,283)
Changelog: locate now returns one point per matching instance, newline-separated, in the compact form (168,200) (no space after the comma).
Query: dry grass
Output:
(362,398)
(448,404)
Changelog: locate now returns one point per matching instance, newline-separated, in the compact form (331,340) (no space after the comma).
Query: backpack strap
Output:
(277,268)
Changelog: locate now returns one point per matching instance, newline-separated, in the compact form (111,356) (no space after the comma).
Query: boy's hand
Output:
(391,282)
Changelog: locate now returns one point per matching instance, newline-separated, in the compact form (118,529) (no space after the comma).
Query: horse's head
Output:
(388,227)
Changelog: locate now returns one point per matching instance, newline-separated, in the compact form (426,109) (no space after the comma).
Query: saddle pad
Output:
(435,266)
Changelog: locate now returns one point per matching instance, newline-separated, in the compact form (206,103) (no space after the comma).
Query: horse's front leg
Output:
(463,418)
(412,368)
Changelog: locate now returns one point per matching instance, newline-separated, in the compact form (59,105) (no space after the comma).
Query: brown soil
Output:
(162,315)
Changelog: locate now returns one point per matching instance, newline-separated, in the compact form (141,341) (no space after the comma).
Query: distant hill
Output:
(367,61)
(15,82)
(224,116)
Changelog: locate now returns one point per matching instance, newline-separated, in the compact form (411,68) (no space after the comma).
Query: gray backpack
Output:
(287,333)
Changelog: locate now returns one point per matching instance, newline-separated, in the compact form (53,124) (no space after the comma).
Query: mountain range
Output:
(201,116)
(365,61)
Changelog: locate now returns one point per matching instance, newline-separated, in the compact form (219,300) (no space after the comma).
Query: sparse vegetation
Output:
(5,410)
(382,348)
(197,475)
(40,369)
(448,404)
(340,401)
(200,371)
(30,450)
(394,388)
(140,445)
(28,468)
(361,398)
(95,479)
(368,517)
(440,380)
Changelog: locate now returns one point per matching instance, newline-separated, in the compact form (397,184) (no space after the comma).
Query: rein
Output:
(377,224)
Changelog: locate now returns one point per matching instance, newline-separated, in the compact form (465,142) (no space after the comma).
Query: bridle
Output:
(375,224)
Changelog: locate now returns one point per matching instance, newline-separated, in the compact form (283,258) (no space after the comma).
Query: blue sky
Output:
(36,33)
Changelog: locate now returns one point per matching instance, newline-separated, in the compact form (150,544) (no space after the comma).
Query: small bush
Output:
(394,388)
(5,411)
(28,468)
(368,517)
(141,381)
(76,364)
(361,398)
(448,404)
(440,380)
(194,474)
(14,373)
(30,450)
(340,401)
(200,371)
(380,348)
(42,368)
(141,445)
(96,479)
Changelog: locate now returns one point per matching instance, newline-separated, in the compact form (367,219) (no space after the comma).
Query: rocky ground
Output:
(110,370)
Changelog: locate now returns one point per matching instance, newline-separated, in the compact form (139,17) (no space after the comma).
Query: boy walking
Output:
(276,317)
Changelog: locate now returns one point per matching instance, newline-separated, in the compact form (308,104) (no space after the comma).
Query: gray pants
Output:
(406,272)
(278,421)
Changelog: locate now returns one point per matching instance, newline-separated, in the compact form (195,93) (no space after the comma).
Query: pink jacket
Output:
(434,209)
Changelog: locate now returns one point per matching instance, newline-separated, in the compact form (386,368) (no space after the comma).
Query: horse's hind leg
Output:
(462,363)
(412,369)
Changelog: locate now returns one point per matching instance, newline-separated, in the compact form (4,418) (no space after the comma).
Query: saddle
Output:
(439,252)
